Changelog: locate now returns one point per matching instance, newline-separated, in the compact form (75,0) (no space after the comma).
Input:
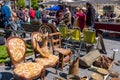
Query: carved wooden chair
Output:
(22,70)
(64,54)
(39,44)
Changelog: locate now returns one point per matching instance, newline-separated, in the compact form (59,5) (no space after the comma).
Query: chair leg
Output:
(42,77)
(61,57)
(81,44)
(62,62)
(57,67)
(70,58)
(35,55)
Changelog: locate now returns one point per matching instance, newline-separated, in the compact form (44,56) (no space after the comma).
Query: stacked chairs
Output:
(23,71)
(39,44)
(64,54)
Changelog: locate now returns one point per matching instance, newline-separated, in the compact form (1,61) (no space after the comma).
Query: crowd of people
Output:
(80,18)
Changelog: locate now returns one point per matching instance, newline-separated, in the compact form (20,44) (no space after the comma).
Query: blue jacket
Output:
(5,12)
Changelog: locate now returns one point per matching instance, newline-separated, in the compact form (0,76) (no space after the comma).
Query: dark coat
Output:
(20,15)
(90,16)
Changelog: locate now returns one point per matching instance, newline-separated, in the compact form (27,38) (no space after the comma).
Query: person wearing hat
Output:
(81,18)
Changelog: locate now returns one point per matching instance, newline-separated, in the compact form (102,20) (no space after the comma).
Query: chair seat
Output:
(28,70)
(50,61)
(63,51)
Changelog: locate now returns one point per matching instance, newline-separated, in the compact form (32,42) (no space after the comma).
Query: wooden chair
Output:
(65,54)
(23,71)
(39,44)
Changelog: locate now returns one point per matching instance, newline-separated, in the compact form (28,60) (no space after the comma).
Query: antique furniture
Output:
(89,58)
(23,71)
(64,54)
(102,71)
(39,44)
(96,76)
(74,67)
(107,26)
(104,62)
(115,79)
(63,30)
(73,77)
(101,42)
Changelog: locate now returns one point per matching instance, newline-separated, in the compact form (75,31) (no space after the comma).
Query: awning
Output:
(54,8)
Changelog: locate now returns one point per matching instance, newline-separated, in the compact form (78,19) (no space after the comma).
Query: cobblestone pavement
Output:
(109,44)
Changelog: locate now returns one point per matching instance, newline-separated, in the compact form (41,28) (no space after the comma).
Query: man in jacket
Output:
(90,15)
(5,14)
(67,17)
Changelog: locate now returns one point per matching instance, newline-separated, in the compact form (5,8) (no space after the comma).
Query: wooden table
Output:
(109,26)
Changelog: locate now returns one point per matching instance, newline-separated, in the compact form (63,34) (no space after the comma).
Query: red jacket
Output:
(32,13)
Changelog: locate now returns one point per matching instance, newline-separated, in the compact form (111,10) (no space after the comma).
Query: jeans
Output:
(5,23)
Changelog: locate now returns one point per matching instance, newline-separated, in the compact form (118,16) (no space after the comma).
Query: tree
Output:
(21,3)
(34,4)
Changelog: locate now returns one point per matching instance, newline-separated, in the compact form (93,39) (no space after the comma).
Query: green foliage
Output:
(4,54)
(21,3)
(34,4)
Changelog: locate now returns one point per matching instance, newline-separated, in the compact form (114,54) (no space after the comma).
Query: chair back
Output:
(39,43)
(63,31)
(55,40)
(75,34)
(16,48)
(89,37)
(35,38)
